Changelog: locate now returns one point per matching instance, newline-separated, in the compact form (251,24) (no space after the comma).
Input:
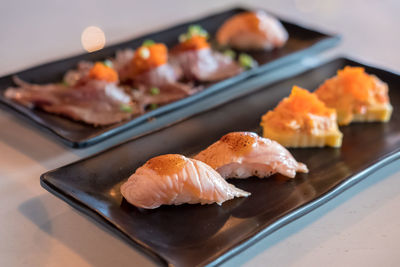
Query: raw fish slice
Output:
(146,66)
(245,154)
(95,102)
(160,76)
(122,64)
(78,75)
(252,31)
(168,93)
(205,65)
(173,180)
(165,77)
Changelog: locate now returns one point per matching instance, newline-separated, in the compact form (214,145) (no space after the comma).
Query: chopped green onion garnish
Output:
(197,30)
(230,53)
(125,108)
(153,106)
(193,30)
(108,63)
(64,83)
(144,52)
(246,61)
(148,42)
(154,91)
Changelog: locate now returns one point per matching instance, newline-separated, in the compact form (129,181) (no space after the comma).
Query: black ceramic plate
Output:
(302,42)
(190,235)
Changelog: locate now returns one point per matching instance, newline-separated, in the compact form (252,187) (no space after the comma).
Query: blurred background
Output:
(34,32)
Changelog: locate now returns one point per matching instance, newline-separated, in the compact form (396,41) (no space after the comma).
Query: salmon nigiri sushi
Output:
(252,31)
(198,61)
(173,179)
(245,154)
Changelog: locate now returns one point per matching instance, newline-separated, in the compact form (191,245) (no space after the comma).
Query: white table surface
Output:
(361,227)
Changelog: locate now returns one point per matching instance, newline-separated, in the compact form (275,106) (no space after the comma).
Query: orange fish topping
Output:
(149,57)
(239,142)
(302,110)
(356,82)
(102,72)
(303,101)
(166,164)
(196,42)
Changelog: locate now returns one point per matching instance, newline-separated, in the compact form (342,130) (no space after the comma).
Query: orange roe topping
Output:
(196,42)
(167,164)
(302,101)
(102,72)
(301,111)
(239,142)
(356,82)
(149,57)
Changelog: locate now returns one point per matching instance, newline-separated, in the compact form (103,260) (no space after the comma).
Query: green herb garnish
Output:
(108,63)
(153,106)
(125,108)
(64,83)
(246,61)
(193,30)
(230,53)
(154,91)
(148,42)
(197,30)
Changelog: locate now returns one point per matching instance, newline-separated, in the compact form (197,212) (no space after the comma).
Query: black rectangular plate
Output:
(190,235)
(302,42)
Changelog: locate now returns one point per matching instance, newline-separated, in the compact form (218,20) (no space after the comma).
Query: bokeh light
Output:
(93,38)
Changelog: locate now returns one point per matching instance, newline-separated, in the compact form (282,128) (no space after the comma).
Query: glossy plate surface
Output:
(302,42)
(190,235)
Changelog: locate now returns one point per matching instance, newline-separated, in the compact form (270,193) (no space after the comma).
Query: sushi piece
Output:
(252,31)
(245,154)
(87,71)
(198,61)
(173,179)
(302,120)
(122,64)
(81,73)
(356,96)
(156,81)
(149,66)
(93,96)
